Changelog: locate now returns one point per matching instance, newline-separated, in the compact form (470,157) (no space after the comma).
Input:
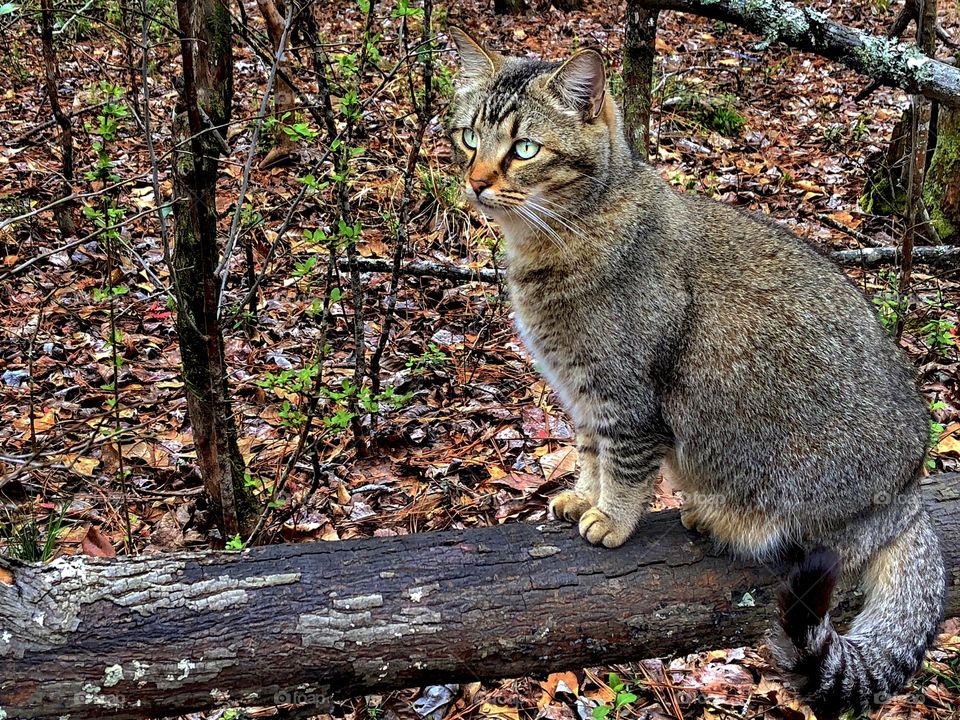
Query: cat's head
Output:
(534,139)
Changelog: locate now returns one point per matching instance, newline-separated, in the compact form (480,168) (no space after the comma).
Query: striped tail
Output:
(904,583)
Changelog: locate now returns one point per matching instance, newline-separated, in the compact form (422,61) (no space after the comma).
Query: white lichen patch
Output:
(419,592)
(219,696)
(542,551)
(112,675)
(185,666)
(335,629)
(92,695)
(140,669)
(359,602)
(145,587)
(207,668)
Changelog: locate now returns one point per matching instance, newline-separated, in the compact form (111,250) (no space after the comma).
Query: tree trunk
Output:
(165,635)
(509,7)
(639,54)
(52,75)
(205,100)
(806,28)
(284,97)
(568,5)
(941,192)
(919,124)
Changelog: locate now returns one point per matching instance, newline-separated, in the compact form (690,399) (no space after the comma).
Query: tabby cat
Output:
(679,331)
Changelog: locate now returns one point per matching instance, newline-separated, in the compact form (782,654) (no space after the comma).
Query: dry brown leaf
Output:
(499,711)
(559,463)
(96,544)
(563,683)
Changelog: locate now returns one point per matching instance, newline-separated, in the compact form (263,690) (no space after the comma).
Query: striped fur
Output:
(681,332)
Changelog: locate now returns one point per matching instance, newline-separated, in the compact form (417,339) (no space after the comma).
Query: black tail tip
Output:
(809,589)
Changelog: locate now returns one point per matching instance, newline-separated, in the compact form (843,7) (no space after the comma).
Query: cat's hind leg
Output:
(570,505)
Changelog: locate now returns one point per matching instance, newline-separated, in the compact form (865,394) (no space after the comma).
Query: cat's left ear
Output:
(580,82)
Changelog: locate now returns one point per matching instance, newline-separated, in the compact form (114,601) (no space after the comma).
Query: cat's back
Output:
(785,357)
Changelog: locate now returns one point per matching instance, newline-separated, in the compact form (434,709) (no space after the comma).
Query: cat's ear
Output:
(476,62)
(580,83)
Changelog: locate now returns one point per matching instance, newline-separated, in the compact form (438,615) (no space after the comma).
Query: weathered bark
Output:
(52,76)
(205,99)
(805,28)
(639,53)
(163,635)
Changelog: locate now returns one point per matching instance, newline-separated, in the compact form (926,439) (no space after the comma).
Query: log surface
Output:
(165,634)
(887,61)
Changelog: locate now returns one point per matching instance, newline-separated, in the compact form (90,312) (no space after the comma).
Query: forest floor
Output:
(479,437)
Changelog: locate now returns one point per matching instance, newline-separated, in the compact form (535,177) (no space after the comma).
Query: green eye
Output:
(526,149)
(470,138)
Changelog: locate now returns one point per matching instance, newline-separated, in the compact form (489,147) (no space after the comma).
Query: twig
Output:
(20,139)
(76,243)
(148,136)
(223,267)
(424,114)
(73,17)
(855,234)
(281,232)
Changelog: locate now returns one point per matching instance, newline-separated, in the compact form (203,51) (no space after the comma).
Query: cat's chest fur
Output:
(554,321)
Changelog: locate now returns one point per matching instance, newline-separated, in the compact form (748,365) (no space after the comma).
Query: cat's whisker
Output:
(557,211)
(542,224)
(569,223)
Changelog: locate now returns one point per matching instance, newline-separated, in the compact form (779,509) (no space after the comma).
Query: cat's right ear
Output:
(476,62)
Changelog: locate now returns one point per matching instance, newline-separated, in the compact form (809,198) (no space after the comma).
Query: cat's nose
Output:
(480,184)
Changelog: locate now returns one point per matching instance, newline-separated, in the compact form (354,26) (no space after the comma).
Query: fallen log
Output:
(945,257)
(887,61)
(163,635)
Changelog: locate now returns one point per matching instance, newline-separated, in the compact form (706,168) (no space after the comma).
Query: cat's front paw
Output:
(600,529)
(569,505)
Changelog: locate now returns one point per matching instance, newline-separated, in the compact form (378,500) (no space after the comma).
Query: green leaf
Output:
(7,8)
(601,711)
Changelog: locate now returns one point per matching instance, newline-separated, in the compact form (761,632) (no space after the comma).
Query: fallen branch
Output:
(941,256)
(169,634)
(888,61)
(428,269)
